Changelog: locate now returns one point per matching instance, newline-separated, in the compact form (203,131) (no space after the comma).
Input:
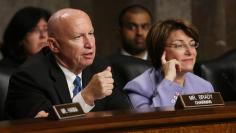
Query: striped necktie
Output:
(78,86)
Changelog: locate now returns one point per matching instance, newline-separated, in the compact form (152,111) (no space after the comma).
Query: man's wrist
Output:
(88,98)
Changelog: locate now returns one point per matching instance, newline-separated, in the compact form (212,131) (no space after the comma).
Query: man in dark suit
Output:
(48,78)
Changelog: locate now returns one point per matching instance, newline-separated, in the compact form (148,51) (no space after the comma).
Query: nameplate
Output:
(70,110)
(199,100)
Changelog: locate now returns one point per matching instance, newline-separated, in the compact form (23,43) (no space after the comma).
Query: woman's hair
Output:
(159,33)
(24,21)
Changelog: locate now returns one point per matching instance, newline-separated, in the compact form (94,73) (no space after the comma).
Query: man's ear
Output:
(53,44)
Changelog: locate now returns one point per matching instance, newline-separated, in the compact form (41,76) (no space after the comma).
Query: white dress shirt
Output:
(145,56)
(70,77)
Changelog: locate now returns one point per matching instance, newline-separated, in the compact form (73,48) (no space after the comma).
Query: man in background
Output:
(131,61)
(134,24)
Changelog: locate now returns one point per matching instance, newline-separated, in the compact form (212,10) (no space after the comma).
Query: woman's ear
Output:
(53,44)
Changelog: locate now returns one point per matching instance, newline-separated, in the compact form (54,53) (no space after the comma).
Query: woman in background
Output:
(172,48)
(25,35)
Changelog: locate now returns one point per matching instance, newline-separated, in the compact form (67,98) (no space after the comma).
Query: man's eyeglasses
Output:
(182,46)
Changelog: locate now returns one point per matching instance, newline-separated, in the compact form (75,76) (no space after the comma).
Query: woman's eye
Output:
(179,46)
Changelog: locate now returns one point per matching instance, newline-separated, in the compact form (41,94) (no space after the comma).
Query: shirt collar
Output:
(123,52)
(70,76)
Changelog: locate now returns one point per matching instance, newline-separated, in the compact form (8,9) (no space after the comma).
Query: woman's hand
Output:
(170,68)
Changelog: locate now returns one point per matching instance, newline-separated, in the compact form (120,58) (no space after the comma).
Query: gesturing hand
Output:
(170,68)
(100,86)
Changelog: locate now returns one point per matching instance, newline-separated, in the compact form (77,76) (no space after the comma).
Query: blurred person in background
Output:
(134,24)
(25,35)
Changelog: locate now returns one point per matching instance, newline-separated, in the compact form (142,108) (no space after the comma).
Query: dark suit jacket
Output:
(39,83)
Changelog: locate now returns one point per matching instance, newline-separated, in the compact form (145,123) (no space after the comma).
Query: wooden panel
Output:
(160,120)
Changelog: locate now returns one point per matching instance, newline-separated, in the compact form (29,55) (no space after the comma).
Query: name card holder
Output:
(70,110)
(199,100)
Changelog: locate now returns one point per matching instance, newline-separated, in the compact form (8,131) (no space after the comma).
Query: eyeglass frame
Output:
(38,31)
(183,46)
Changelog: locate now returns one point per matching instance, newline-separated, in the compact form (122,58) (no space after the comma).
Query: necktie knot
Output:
(77,81)
(78,87)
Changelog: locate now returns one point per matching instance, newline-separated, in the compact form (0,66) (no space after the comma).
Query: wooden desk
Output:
(221,119)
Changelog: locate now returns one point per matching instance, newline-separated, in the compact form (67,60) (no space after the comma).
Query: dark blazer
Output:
(40,83)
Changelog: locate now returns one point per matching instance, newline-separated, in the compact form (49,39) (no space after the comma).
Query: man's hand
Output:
(99,87)
(41,114)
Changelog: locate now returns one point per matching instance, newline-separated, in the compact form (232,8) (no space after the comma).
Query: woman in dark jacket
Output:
(25,35)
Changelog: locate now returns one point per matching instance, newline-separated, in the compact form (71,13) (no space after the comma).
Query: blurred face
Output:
(134,31)
(181,47)
(75,43)
(36,39)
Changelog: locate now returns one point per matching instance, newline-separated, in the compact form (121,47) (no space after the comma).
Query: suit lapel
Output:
(86,76)
(60,83)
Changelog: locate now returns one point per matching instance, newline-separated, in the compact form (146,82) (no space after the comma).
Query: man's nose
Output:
(139,30)
(87,41)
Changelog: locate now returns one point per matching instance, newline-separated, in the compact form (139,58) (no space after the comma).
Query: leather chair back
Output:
(221,72)
(126,68)
(4,82)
